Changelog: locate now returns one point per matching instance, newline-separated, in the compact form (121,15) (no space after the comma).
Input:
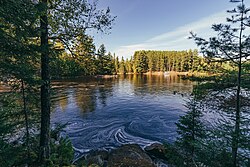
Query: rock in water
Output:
(97,157)
(129,155)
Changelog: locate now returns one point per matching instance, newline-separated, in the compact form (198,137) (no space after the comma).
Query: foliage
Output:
(105,62)
(23,42)
(116,64)
(122,68)
(188,148)
(84,61)
(191,132)
(229,100)
(18,50)
(7,151)
(180,61)
(71,18)
(173,156)
(62,153)
(66,22)
(13,152)
(15,141)
(81,62)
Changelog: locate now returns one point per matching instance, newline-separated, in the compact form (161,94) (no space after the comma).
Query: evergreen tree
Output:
(116,64)
(100,59)
(104,61)
(150,61)
(140,60)
(84,54)
(122,68)
(23,38)
(191,133)
(65,25)
(232,44)
(19,62)
(108,64)
(128,66)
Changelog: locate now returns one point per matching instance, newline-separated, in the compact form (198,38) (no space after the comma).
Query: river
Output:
(106,113)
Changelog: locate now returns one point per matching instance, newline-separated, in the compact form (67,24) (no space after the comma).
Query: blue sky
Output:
(159,24)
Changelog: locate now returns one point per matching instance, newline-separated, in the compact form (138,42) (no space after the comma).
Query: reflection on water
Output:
(105,113)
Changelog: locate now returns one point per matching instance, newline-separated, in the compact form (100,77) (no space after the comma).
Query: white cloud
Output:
(176,39)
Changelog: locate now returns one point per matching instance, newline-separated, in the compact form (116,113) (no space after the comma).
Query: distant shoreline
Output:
(159,73)
(171,73)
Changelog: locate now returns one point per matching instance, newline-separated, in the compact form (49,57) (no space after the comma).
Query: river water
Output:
(106,113)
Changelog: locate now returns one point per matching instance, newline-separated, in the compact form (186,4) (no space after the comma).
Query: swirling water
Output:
(106,113)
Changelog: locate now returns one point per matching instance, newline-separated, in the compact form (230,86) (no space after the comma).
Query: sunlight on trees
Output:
(42,39)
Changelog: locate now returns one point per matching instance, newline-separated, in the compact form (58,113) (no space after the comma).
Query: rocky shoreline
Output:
(128,155)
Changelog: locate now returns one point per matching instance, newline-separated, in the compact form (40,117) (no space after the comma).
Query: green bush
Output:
(62,153)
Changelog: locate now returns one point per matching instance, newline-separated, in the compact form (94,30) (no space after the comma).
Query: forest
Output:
(102,63)
(45,40)
(161,61)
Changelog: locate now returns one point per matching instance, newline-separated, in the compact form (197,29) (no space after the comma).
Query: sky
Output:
(160,24)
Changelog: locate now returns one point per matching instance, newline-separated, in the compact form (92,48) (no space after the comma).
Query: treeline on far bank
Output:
(161,61)
(88,62)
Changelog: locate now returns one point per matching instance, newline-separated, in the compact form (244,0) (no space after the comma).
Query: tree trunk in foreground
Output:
(45,87)
(236,134)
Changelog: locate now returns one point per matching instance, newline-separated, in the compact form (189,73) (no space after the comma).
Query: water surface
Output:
(105,113)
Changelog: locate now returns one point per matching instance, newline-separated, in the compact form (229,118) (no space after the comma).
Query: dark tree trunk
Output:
(45,87)
(26,121)
(236,134)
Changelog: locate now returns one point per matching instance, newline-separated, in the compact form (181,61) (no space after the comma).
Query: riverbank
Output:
(171,73)
(131,155)
(175,73)
(159,73)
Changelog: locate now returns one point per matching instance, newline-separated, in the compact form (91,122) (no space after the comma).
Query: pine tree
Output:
(23,41)
(231,44)
(100,59)
(191,133)
(19,62)
(108,64)
(116,64)
(84,54)
(122,68)
(65,26)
